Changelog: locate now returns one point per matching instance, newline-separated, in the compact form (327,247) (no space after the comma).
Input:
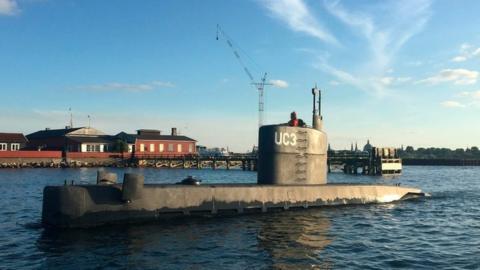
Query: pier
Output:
(237,161)
(378,161)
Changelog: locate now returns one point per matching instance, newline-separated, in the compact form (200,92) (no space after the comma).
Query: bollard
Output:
(132,187)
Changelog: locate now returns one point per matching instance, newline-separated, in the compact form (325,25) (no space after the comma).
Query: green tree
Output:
(120,146)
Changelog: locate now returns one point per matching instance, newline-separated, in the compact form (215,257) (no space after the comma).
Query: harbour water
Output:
(437,232)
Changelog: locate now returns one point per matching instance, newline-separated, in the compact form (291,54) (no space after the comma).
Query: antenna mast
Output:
(71,117)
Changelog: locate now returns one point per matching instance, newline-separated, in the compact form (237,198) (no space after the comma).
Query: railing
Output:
(164,156)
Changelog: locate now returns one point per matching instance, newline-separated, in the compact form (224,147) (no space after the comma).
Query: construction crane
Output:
(260,85)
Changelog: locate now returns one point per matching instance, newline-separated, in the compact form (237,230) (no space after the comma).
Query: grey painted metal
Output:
(292,156)
(132,188)
(106,178)
(93,205)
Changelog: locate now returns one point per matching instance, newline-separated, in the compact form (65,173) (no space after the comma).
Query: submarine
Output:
(292,174)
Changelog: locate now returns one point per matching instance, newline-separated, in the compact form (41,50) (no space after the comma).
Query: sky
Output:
(394,72)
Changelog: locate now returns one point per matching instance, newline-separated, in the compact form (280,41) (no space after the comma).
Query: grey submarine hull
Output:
(95,205)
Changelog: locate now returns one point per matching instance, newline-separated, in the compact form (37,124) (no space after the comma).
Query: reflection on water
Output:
(296,239)
(291,240)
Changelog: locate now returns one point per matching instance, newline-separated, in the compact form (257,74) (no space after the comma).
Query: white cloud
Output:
(466,52)
(457,76)
(384,26)
(403,79)
(384,39)
(476,95)
(116,86)
(476,52)
(298,17)
(464,99)
(452,104)
(465,46)
(459,59)
(8,7)
(472,95)
(387,80)
(279,83)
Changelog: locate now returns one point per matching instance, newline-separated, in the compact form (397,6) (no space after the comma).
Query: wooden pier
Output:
(379,161)
(244,162)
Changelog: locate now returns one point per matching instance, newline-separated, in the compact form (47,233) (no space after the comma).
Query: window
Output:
(142,147)
(3,147)
(93,148)
(190,147)
(15,146)
(179,147)
(152,147)
(170,147)
(160,147)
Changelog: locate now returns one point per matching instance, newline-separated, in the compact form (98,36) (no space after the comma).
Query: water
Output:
(439,232)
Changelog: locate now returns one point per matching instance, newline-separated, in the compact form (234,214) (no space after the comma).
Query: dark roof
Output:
(128,138)
(12,138)
(89,139)
(165,138)
(51,133)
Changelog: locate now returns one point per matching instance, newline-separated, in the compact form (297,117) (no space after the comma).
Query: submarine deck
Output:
(93,205)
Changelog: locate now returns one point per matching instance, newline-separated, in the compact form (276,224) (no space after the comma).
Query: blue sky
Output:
(394,72)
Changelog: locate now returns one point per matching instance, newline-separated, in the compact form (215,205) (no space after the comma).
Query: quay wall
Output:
(16,159)
(42,159)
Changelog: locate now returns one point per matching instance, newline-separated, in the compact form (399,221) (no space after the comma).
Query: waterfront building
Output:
(151,143)
(12,141)
(81,139)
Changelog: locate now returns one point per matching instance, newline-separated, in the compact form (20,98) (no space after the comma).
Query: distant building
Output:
(81,139)
(368,147)
(150,142)
(12,141)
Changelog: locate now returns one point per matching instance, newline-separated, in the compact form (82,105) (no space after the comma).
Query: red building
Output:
(150,143)
(12,141)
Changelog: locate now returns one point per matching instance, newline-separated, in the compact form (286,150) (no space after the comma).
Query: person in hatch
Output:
(295,122)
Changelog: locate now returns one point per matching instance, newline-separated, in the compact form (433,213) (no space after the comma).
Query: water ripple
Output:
(441,231)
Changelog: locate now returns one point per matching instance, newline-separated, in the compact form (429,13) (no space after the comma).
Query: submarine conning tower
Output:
(293,155)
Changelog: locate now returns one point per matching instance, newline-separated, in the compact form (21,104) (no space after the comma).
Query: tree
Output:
(120,146)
